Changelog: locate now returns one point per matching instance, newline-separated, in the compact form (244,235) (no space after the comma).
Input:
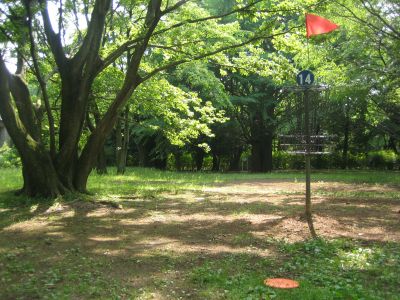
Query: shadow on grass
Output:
(132,254)
(14,209)
(89,250)
(167,248)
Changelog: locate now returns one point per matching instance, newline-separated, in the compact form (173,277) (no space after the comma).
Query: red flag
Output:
(317,25)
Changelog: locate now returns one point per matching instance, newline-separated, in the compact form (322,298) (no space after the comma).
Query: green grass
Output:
(143,181)
(76,275)
(149,181)
(37,265)
(336,269)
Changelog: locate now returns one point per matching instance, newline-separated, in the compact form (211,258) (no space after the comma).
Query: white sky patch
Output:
(11,64)
(53,14)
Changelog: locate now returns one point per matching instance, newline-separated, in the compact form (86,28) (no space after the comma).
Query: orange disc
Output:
(281,283)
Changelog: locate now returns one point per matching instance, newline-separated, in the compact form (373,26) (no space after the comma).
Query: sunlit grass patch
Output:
(142,181)
(337,269)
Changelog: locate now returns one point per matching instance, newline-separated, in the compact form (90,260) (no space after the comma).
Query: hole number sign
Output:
(305,77)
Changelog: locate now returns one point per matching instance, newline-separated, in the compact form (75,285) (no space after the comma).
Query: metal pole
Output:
(308,164)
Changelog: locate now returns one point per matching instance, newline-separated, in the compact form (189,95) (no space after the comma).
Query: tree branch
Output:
(41,81)
(174,7)
(365,22)
(131,81)
(221,49)
(15,127)
(127,45)
(92,41)
(76,21)
(376,14)
(53,39)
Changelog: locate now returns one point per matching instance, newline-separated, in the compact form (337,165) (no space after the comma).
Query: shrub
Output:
(383,159)
(9,157)
(357,161)
(186,162)
(280,160)
(207,163)
(284,160)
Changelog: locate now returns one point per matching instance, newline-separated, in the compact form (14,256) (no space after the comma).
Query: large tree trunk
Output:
(142,155)
(119,146)
(160,163)
(145,147)
(148,156)
(64,170)
(261,154)
(268,154)
(256,158)
(261,147)
(73,113)
(40,176)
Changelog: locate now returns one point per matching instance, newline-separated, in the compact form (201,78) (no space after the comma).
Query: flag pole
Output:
(308,45)
(308,53)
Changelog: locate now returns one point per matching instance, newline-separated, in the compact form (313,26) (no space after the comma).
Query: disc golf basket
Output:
(297,144)
(304,134)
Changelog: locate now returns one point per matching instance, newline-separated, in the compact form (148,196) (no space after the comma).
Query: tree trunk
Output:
(75,95)
(118,145)
(268,153)
(39,174)
(346,141)
(145,147)
(160,163)
(261,154)
(199,158)
(178,160)
(216,163)
(256,159)
(67,171)
(122,142)
(101,166)
(392,144)
(143,155)
(101,163)
(234,162)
